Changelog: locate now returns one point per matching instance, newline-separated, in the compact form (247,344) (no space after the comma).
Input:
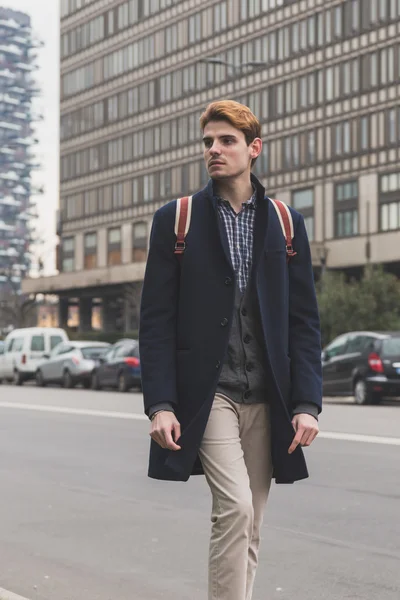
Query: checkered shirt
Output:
(239,230)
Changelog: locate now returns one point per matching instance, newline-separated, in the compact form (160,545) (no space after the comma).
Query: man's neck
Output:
(235,191)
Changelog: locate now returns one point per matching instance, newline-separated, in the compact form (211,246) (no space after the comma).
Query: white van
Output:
(24,349)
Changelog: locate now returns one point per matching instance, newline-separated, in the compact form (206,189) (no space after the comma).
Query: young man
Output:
(230,347)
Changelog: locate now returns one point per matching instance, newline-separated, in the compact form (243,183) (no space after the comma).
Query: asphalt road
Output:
(79,519)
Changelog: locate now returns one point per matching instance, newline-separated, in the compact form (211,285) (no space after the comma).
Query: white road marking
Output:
(358,437)
(74,411)
(5,595)
(329,435)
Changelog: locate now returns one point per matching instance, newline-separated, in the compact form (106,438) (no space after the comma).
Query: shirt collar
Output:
(251,203)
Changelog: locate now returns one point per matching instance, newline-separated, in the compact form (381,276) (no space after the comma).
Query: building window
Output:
(287,152)
(195,33)
(311,147)
(296,151)
(220,16)
(123,16)
(90,202)
(338,21)
(261,166)
(392,127)
(374,11)
(389,199)
(139,242)
(342,138)
(394,9)
(135,190)
(303,201)
(68,254)
(148,188)
(114,246)
(355,15)
(364,133)
(374,69)
(346,209)
(118,195)
(165,183)
(90,250)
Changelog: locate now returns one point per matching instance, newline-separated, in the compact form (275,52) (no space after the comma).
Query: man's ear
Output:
(255,148)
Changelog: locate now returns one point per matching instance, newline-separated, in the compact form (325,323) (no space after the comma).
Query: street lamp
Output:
(236,68)
(239,67)
(322,252)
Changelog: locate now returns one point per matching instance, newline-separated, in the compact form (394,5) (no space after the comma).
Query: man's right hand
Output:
(165,430)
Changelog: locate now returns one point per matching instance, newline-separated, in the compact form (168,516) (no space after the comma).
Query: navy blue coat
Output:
(182,342)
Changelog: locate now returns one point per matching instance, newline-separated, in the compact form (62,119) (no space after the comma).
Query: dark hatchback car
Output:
(363,364)
(119,368)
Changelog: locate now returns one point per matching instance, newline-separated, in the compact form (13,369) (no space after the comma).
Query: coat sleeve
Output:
(158,314)
(304,325)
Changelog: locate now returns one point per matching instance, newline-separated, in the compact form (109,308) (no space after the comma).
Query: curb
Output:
(6,595)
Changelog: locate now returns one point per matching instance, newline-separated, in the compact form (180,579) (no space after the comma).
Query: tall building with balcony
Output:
(17,88)
(322,75)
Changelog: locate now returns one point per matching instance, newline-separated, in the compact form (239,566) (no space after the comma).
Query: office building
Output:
(322,75)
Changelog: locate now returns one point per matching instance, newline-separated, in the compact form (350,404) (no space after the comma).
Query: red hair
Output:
(238,115)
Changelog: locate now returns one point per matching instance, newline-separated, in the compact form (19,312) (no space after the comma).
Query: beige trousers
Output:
(236,458)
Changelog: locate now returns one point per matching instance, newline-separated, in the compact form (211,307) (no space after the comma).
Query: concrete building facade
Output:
(323,76)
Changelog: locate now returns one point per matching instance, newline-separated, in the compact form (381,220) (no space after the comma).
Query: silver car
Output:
(70,363)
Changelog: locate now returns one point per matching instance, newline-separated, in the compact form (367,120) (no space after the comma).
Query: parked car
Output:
(71,363)
(363,364)
(24,350)
(119,368)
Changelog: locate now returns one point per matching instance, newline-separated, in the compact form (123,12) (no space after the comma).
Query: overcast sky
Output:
(45,24)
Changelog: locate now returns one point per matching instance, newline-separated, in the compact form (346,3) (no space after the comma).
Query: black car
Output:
(363,364)
(119,368)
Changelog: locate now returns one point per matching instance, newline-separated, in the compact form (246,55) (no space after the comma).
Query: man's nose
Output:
(215,149)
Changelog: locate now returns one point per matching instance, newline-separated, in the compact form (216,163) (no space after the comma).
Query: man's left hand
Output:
(306,428)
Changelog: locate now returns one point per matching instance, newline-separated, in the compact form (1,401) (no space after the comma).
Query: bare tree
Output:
(16,309)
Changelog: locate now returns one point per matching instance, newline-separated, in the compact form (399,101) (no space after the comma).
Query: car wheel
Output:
(17,378)
(122,383)
(94,382)
(362,395)
(39,379)
(67,380)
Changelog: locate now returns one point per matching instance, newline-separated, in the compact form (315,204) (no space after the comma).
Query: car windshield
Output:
(94,351)
(391,347)
(132,350)
(55,340)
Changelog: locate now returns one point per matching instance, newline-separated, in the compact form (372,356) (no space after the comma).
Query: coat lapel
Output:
(260,224)
(221,229)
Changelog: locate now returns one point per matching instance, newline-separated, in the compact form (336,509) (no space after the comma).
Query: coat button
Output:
(247,394)
(244,312)
(249,367)
(224,322)
(247,339)
(228,281)
(217,366)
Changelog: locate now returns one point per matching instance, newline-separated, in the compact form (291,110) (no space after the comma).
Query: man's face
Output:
(226,152)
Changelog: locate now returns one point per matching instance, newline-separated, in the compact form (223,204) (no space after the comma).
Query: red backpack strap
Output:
(182,222)
(286,221)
